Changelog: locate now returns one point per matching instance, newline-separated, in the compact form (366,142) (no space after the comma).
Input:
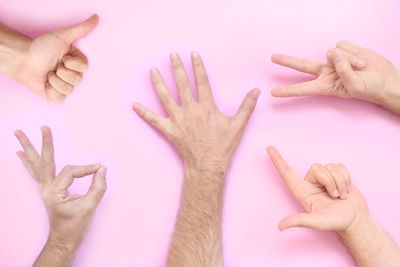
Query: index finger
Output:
(300,64)
(284,170)
(29,149)
(47,153)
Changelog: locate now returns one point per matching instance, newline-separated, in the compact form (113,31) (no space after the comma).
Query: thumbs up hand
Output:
(52,66)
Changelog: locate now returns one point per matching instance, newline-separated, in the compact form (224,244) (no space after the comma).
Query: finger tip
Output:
(174,56)
(195,54)
(94,19)
(275,57)
(153,71)
(17,133)
(255,93)
(45,128)
(271,149)
(277,92)
(136,107)
(102,171)
(282,227)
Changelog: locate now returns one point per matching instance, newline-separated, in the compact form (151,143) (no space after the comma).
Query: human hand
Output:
(69,215)
(200,132)
(326,193)
(51,66)
(350,71)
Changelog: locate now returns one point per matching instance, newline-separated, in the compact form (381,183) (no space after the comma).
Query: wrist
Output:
(391,100)
(13,50)
(66,242)
(362,225)
(206,170)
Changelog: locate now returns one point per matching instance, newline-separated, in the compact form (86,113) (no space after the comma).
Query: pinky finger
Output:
(53,95)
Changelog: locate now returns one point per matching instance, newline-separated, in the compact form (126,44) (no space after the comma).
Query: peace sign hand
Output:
(351,71)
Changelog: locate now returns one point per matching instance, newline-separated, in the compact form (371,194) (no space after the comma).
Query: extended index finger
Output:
(300,64)
(283,168)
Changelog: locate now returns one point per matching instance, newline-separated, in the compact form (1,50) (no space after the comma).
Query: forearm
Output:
(197,240)
(391,100)
(370,245)
(57,252)
(13,46)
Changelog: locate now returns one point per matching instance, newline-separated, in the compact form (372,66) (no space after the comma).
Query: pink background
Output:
(135,220)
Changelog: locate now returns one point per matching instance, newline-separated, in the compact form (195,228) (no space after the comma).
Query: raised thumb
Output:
(77,31)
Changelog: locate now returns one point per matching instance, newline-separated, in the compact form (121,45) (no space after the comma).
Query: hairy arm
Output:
(13,47)
(370,245)
(69,215)
(206,139)
(56,252)
(197,237)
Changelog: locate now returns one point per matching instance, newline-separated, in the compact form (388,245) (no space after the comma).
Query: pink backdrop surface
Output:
(135,220)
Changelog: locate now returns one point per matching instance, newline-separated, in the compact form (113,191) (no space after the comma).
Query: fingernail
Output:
(336,193)
(153,71)
(255,93)
(174,55)
(337,56)
(343,195)
(195,54)
(45,128)
(103,171)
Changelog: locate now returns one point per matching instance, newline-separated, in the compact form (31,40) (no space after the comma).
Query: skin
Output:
(50,65)
(350,72)
(347,213)
(205,139)
(69,215)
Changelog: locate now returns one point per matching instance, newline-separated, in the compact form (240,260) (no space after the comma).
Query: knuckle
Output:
(77,78)
(341,43)
(315,167)
(330,52)
(68,88)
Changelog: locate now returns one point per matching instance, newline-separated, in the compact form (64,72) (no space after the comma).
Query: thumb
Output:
(77,31)
(345,71)
(248,105)
(314,221)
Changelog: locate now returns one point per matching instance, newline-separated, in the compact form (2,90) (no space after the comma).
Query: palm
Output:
(330,83)
(335,213)
(326,194)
